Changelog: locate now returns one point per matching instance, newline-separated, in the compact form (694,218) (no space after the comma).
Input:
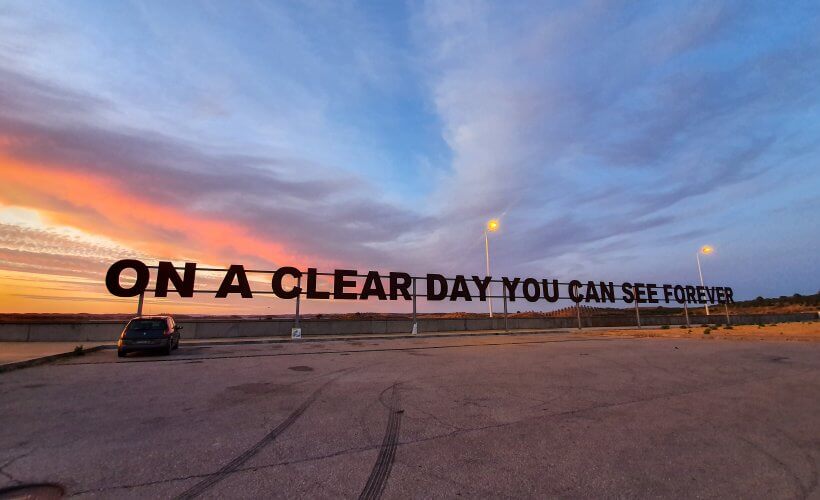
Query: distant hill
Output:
(810,301)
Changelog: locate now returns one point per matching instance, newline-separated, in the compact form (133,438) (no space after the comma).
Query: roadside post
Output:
(504,292)
(686,313)
(296,331)
(139,304)
(637,313)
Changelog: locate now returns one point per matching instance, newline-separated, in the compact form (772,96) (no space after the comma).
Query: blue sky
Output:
(612,139)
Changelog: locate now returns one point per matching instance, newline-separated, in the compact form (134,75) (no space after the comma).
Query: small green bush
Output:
(707,331)
(78,350)
(665,327)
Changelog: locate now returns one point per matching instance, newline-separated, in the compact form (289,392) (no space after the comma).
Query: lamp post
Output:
(492,226)
(705,250)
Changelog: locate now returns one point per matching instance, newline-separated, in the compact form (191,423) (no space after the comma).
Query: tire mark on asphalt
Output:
(810,461)
(237,462)
(462,431)
(374,487)
(346,451)
(787,469)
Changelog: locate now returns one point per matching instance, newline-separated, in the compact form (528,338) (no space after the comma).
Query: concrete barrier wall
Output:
(101,331)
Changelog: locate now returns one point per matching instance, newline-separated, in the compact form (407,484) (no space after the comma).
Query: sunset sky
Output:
(611,139)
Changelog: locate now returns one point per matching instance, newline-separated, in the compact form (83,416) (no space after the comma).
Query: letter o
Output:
(112,278)
(536,294)
(680,294)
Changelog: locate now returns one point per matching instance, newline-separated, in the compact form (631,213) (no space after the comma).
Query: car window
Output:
(147,324)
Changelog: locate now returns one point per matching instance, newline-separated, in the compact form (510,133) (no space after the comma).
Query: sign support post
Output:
(415,324)
(637,313)
(726,305)
(504,292)
(686,312)
(296,331)
(139,304)
(578,313)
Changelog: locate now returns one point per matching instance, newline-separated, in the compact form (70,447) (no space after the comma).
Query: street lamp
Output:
(705,250)
(492,226)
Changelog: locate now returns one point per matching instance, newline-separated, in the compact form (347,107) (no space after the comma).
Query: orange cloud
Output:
(103,206)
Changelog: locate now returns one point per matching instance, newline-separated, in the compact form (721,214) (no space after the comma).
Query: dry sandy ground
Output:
(806,331)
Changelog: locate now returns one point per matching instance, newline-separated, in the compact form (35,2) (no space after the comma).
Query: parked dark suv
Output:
(145,333)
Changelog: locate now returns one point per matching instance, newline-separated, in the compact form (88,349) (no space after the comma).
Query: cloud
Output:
(609,137)
(596,121)
(179,197)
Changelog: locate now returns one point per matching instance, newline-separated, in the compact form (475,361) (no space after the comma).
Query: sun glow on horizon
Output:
(54,260)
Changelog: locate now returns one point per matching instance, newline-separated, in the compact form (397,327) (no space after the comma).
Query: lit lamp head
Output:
(492,225)
(706,249)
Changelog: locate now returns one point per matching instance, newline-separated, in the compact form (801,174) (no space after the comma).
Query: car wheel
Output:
(176,344)
(170,348)
(121,353)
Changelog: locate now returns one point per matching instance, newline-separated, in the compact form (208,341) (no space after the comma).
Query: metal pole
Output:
(578,313)
(415,325)
(686,312)
(637,312)
(504,293)
(726,305)
(490,286)
(298,299)
(697,256)
(139,304)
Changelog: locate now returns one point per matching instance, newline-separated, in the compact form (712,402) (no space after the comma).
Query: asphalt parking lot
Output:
(512,416)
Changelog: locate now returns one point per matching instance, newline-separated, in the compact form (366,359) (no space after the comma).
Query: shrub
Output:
(665,327)
(707,331)
(78,350)
(683,327)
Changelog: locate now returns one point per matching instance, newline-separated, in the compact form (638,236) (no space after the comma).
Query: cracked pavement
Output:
(510,416)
